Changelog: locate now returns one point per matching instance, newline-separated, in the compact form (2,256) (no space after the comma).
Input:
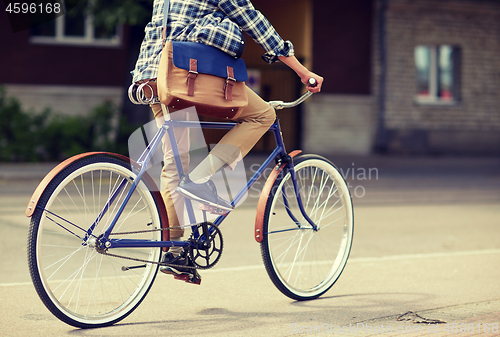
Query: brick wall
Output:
(339,124)
(473,124)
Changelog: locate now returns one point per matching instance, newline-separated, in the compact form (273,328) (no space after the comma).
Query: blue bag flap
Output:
(210,60)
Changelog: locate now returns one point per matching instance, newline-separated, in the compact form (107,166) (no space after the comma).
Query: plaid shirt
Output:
(212,22)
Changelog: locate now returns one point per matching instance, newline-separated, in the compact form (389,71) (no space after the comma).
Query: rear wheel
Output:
(303,263)
(79,285)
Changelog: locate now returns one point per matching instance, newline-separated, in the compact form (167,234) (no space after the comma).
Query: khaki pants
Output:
(253,122)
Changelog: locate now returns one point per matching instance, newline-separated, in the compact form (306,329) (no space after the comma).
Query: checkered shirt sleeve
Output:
(243,13)
(217,23)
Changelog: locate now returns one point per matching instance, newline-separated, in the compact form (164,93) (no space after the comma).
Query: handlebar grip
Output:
(312,82)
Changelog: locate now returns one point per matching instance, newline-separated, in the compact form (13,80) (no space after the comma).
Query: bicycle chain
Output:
(149,230)
(105,251)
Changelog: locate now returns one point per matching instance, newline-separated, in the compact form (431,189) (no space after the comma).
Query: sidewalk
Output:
(372,180)
(18,171)
(388,165)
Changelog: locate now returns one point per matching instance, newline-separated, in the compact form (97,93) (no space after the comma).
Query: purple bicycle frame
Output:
(168,127)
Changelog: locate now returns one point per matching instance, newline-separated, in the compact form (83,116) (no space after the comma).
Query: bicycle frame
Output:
(278,154)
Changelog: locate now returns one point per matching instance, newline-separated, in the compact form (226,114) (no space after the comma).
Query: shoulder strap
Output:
(166,8)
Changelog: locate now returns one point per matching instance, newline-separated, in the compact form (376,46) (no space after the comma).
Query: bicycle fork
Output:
(286,159)
(296,188)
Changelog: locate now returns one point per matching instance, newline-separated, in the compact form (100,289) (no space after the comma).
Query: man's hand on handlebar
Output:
(313,82)
(303,73)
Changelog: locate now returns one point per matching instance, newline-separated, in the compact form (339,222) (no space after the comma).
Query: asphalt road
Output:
(427,240)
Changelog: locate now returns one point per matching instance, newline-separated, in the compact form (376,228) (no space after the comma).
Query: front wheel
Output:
(303,263)
(76,282)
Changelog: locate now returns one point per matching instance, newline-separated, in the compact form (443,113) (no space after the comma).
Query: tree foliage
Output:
(111,13)
(47,136)
(120,12)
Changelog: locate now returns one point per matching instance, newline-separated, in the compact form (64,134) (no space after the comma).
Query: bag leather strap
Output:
(166,8)
(192,75)
(228,87)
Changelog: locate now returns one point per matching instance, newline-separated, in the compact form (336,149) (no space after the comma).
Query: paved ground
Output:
(426,249)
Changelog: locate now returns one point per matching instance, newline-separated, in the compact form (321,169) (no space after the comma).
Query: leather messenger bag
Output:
(194,74)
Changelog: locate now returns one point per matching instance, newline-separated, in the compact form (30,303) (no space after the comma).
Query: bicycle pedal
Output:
(212,209)
(188,278)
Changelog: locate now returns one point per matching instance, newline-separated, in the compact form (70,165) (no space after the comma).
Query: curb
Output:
(389,165)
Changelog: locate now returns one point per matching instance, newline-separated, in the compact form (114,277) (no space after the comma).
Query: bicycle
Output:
(97,212)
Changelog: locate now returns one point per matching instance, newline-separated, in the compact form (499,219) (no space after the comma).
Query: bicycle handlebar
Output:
(278,105)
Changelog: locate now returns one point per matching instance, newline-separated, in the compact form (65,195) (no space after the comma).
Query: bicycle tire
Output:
(302,263)
(78,285)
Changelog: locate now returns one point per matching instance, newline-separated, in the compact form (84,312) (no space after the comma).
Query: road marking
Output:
(351,260)
(423,256)
(377,259)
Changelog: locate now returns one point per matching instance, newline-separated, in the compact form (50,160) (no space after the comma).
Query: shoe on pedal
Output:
(205,193)
(179,261)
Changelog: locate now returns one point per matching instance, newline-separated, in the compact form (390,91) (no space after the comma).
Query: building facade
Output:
(434,88)
(69,65)
(442,87)
(402,76)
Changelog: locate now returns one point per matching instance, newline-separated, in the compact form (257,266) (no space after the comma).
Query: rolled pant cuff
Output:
(228,153)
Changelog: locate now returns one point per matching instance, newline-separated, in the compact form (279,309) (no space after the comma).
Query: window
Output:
(75,27)
(437,73)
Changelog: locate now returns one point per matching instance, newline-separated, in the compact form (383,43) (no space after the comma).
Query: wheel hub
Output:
(92,242)
(307,227)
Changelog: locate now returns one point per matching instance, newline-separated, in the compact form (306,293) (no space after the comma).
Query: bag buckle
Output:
(230,79)
(195,73)
(191,77)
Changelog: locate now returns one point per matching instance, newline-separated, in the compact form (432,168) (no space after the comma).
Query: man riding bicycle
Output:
(220,24)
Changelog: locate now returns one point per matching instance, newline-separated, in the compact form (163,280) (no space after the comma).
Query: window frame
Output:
(88,40)
(433,98)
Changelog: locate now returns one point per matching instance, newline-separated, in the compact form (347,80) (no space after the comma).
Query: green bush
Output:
(45,136)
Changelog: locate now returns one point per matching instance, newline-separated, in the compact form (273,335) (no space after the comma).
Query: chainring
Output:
(205,253)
